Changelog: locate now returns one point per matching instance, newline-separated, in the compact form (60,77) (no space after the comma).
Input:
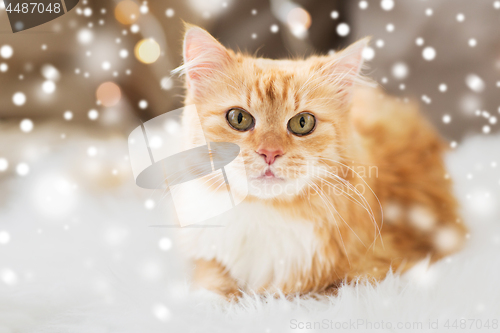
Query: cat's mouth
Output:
(269,175)
(272,183)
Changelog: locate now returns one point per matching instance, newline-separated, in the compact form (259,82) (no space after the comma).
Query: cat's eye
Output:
(302,124)
(240,120)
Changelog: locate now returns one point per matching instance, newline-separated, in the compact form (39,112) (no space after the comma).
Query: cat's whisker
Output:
(376,197)
(333,206)
(366,204)
(353,188)
(311,184)
(349,196)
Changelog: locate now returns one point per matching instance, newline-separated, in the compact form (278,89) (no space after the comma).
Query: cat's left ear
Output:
(203,55)
(344,67)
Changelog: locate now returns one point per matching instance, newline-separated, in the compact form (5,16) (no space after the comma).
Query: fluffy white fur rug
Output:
(78,254)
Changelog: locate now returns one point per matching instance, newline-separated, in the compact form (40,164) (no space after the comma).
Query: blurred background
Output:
(115,57)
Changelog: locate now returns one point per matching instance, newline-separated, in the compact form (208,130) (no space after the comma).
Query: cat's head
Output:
(289,117)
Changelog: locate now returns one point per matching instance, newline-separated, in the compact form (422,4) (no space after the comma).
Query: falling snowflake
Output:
(19,98)
(149,204)
(169,12)
(26,125)
(143,104)
(93,114)
(87,12)
(8,276)
(85,36)
(165,244)
(134,28)
(387,4)
(91,151)
(368,53)
(161,312)
(68,115)
(429,53)
(4,164)
(48,87)
(475,83)
(4,237)
(166,83)
(343,29)
(6,51)
(22,169)
(400,70)
(106,65)
(123,53)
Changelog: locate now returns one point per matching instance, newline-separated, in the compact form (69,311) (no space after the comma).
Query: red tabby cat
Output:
(344,182)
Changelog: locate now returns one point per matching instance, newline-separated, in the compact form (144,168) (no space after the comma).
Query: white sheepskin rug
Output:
(81,251)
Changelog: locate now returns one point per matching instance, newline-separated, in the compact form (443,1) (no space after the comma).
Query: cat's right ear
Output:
(203,55)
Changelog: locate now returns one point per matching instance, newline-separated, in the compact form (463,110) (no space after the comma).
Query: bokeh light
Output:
(108,93)
(147,51)
(127,12)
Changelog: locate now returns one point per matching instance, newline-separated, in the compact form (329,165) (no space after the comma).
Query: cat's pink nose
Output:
(270,155)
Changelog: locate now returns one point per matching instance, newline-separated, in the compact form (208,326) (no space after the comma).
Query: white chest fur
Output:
(258,245)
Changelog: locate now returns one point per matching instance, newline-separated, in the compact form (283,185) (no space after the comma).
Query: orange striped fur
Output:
(394,151)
